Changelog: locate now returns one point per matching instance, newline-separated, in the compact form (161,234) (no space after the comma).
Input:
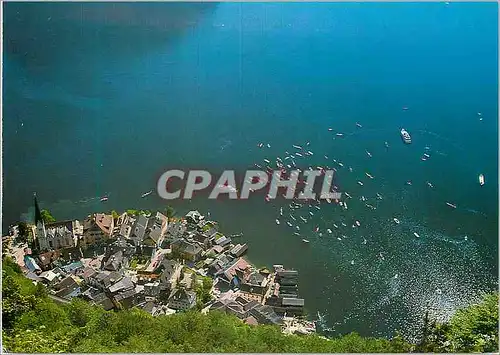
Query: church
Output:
(58,235)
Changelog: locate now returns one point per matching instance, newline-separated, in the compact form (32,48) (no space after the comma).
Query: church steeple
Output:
(41,233)
(38,213)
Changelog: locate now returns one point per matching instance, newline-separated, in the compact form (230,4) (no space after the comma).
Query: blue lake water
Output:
(102,98)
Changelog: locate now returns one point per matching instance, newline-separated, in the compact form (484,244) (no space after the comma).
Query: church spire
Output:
(38,214)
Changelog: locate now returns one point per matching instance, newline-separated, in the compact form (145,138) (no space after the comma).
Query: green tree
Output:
(115,215)
(471,329)
(47,217)
(170,212)
(24,231)
(14,303)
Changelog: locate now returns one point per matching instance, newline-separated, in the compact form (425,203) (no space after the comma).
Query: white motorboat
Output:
(481,179)
(406,136)
(451,205)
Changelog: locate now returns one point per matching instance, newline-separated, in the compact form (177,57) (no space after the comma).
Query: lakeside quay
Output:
(160,264)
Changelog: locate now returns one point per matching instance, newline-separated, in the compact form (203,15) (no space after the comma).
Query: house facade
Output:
(96,228)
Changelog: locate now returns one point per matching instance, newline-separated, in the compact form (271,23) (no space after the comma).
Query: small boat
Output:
(310,153)
(350,169)
(316,229)
(292,217)
(340,135)
(416,234)
(329,231)
(297,146)
(360,183)
(347,194)
(330,129)
(379,196)
(406,136)
(147,193)
(260,145)
(281,211)
(312,214)
(357,124)
(297,228)
(408,182)
(340,164)
(481,179)
(358,224)
(451,205)
(352,262)
(303,219)
(267,161)
(297,233)
(268,145)
(427,155)
(307,144)
(104,199)
(396,220)
(429,184)
(370,176)
(405,108)
(298,154)
(368,153)
(386,144)
(289,224)
(305,241)
(317,207)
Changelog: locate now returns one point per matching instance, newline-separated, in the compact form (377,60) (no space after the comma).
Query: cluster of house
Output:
(159,266)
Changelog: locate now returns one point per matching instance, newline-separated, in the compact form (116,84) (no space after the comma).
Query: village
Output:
(158,264)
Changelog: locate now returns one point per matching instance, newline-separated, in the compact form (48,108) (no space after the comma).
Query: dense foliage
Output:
(472,329)
(47,217)
(34,323)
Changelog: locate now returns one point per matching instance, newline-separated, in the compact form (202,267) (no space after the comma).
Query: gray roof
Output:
(255,278)
(124,295)
(191,248)
(154,232)
(102,300)
(114,261)
(265,312)
(140,227)
(181,295)
(298,302)
(123,284)
(108,278)
(168,268)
